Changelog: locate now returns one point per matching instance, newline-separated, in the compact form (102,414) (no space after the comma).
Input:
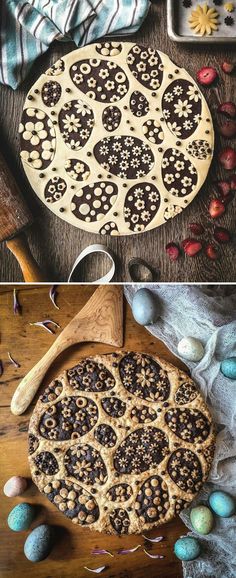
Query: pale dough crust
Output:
(156,131)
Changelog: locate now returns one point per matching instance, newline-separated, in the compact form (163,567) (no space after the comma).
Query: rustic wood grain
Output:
(72,551)
(101,321)
(56,244)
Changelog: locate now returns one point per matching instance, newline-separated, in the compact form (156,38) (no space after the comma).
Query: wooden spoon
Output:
(100,320)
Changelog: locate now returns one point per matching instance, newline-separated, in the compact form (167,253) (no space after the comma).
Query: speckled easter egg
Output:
(202,519)
(222,504)
(228,367)
(187,548)
(191,348)
(21,517)
(144,307)
(15,486)
(39,543)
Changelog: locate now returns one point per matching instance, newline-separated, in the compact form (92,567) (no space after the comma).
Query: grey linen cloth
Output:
(209,314)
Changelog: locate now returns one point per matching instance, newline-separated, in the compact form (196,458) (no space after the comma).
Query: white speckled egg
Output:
(145,307)
(202,519)
(191,348)
(15,486)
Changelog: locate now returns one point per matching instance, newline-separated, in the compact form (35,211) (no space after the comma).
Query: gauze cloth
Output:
(209,314)
(27,28)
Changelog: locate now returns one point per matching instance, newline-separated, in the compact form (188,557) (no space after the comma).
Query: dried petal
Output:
(100,551)
(153,555)
(128,550)
(45,323)
(16,304)
(53,295)
(96,570)
(13,361)
(1,368)
(157,539)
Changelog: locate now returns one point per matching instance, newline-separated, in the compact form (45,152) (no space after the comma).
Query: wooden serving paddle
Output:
(100,320)
(14,218)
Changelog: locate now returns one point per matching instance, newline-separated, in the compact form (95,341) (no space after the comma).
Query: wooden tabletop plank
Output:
(72,551)
(56,244)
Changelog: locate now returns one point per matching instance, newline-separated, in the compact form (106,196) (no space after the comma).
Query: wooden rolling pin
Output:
(14,218)
(100,320)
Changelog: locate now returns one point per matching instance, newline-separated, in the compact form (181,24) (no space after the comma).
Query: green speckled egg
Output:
(39,543)
(187,548)
(21,517)
(222,504)
(202,519)
(228,367)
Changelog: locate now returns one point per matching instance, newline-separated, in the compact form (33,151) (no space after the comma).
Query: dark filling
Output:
(119,493)
(70,418)
(73,501)
(141,450)
(105,435)
(90,376)
(188,424)
(143,377)
(152,500)
(46,463)
(86,465)
(185,470)
(185,393)
(120,521)
(113,406)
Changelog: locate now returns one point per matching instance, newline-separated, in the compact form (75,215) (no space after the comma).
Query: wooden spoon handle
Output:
(29,385)
(20,249)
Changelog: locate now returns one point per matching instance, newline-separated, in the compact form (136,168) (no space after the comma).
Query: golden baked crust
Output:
(121,442)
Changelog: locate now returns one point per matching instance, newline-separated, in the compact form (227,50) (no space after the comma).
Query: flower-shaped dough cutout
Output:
(204,20)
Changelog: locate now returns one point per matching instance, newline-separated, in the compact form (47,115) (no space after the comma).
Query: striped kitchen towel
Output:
(27,28)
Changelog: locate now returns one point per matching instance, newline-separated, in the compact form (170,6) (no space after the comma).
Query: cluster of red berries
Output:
(225,188)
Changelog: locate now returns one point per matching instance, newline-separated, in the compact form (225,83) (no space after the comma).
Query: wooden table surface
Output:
(56,244)
(72,552)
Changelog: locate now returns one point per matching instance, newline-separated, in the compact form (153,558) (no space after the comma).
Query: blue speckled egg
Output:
(202,519)
(21,517)
(144,307)
(187,548)
(39,543)
(228,367)
(222,504)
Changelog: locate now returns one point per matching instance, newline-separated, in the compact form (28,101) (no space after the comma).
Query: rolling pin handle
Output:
(20,249)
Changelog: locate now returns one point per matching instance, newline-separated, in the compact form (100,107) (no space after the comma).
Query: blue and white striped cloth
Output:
(27,28)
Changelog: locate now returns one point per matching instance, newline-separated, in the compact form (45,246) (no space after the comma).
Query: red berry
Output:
(228,108)
(207,75)
(196,228)
(227,67)
(173,251)
(191,247)
(224,188)
(233,183)
(216,208)
(228,129)
(227,158)
(211,252)
(222,235)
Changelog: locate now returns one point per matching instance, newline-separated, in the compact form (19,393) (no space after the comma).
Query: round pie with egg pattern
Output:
(115,138)
(121,442)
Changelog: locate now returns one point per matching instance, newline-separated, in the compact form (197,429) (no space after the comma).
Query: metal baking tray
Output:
(173,15)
